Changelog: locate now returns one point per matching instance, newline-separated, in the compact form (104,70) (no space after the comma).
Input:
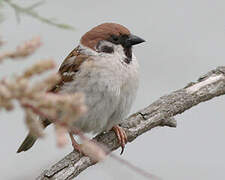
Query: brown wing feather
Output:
(69,67)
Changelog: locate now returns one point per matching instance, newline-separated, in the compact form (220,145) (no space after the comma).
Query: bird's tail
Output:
(27,143)
(30,139)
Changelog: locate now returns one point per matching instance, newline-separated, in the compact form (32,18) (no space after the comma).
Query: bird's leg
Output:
(75,145)
(121,135)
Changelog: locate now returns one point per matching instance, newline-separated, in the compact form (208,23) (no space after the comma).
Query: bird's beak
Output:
(133,40)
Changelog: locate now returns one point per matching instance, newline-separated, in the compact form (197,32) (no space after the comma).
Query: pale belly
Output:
(108,96)
(106,107)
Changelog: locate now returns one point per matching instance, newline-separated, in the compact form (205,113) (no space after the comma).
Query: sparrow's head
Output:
(111,37)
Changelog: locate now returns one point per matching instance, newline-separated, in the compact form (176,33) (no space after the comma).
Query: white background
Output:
(184,39)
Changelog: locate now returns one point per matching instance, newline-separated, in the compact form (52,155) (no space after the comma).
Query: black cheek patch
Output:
(107,49)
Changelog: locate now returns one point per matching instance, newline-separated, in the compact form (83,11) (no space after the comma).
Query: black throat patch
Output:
(128,53)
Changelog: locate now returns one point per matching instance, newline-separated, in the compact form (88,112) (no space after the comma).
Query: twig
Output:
(23,50)
(1,15)
(136,169)
(159,113)
(30,12)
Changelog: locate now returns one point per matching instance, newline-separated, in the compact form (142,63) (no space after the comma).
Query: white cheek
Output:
(119,51)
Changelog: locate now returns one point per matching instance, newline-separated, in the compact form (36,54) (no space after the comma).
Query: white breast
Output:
(110,87)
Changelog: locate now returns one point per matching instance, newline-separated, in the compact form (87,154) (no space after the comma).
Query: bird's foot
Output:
(121,135)
(75,145)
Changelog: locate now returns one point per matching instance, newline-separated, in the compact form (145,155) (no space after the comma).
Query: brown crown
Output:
(102,32)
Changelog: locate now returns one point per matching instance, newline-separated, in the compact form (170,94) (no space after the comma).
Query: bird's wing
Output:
(69,67)
(67,70)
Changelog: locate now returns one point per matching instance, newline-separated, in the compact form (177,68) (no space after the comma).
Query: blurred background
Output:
(184,39)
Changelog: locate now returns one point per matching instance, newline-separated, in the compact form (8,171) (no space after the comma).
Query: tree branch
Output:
(159,113)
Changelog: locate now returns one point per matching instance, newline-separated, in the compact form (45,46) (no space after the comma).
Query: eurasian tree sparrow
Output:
(104,68)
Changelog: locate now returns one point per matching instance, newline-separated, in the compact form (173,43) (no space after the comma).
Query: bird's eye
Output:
(115,38)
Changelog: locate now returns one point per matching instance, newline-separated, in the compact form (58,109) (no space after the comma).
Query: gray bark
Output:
(159,113)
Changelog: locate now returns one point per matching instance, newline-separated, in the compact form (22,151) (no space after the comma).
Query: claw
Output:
(122,137)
